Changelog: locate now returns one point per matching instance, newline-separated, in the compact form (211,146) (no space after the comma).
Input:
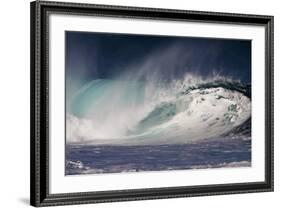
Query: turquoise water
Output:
(118,126)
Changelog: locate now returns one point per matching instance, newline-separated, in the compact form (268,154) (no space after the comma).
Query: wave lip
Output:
(137,112)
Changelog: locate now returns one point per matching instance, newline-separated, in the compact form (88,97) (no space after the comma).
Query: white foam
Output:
(199,114)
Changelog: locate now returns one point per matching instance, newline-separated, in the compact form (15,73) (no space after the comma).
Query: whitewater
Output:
(157,112)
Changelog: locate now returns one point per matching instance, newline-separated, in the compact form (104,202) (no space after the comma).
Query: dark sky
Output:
(107,55)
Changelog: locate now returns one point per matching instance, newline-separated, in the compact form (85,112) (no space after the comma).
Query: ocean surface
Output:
(215,153)
(115,126)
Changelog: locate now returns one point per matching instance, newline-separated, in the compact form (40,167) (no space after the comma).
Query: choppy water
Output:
(215,153)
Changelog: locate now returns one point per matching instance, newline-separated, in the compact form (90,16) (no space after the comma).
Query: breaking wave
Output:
(151,112)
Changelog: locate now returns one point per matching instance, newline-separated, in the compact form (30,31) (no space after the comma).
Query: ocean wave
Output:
(139,112)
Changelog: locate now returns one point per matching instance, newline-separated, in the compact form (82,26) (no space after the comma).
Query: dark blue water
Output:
(90,159)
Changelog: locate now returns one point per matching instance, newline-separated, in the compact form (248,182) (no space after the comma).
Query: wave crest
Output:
(152,112)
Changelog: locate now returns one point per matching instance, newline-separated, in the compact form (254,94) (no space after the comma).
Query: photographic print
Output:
(156,103)
(122,98)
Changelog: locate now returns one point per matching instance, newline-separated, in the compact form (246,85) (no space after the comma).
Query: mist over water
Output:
(149,112)
(155,101)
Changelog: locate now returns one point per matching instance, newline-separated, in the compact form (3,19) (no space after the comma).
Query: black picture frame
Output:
(39,158)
